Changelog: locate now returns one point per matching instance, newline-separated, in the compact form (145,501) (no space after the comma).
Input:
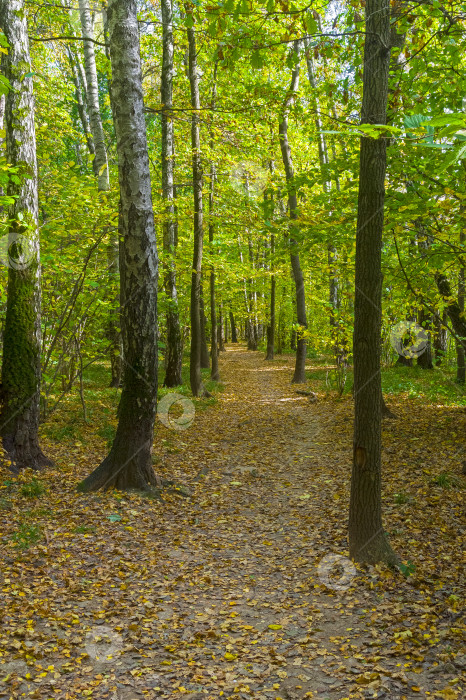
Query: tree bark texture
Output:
(129,463)
(21,370)
(367,540)
(95,119)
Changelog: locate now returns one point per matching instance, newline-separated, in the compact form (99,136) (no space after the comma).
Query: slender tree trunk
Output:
(95,119)
(440,337)
(220,336)
(205,360)
(129,463)
(367,540)
(81,105)
(213,313)
(174,351)
(271,324)
(234,335)
(21,374)
(460,349)
(195,311)
(100,165)
(337,342)
(299,372)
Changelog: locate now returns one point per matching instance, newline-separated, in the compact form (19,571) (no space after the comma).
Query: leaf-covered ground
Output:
(226,588)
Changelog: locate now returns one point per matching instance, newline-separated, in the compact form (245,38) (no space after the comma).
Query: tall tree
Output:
(100,165)
(174,341)
(21,371)
(213,314)
(95,118)
(367,540)
(195,308)
(129,465)
(299,375)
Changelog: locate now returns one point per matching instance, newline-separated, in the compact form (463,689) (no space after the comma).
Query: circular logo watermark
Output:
(249,178)
(16,251)
(336,572)
(409,339)
(102,643)
(180,422)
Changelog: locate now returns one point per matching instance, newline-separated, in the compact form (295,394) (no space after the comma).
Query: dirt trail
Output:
(223,594)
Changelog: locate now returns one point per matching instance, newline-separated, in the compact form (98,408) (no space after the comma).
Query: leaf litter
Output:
(230,591)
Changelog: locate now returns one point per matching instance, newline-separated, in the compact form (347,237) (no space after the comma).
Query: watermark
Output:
(16,251)
(336,572)
(249,178)
(166,415)
(102,643)
(409,339)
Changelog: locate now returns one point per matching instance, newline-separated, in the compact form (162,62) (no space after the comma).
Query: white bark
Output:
(95,119)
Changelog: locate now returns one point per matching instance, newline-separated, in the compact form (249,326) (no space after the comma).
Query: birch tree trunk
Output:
(95,119)
(195,313)
(129,464)
(100,165)
(174,352)
(21,371)
(367,540)
(81,105)
(299,372)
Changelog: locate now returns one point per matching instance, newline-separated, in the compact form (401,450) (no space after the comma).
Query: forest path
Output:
(229,592)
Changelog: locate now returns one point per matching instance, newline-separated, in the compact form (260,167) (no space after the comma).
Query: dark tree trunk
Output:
(195,310)
(440,337)
(271,324)
(367,540)
(174,349)
(213,313)
(460,350)
(404,361)
(220,336)
(424,360)
(21,372)
(300,367)
(205,360)
(129,463)
(234,336)
(453,310)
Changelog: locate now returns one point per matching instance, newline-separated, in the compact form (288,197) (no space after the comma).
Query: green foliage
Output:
(446,481)
(27,536)
(32,489)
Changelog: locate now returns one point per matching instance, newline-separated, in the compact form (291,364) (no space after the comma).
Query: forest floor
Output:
(226,588)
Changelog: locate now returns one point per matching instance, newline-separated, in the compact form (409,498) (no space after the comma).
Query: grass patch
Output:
(446,481)
(32,489)
(402,498)
(26,536)
(107,432)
